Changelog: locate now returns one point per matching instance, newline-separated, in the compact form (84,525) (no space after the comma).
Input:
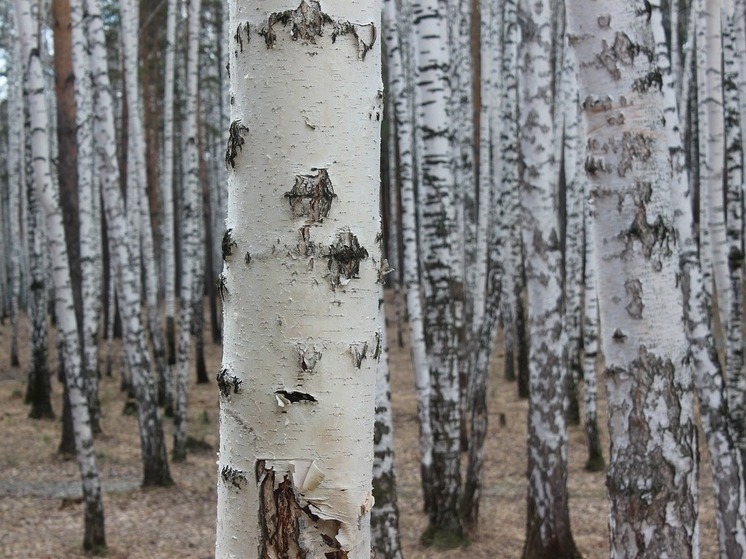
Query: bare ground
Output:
(41,514)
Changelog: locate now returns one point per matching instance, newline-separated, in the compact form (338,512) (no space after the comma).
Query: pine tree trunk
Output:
(302,277)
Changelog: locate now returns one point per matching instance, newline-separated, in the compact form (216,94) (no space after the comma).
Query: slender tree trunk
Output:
(155,460)
(440,274)
(190,217)
(396,48)
(384,517)
(595,462)
(652,477)
(728,483)
(303,278)
(94,538)
(548,532)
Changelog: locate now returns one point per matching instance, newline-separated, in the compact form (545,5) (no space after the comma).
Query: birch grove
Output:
(562,189)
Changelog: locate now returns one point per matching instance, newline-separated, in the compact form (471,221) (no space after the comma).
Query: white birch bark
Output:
(125,273)
(712,154)
(730,511)
(440,271)
(401,98)
(90,217)
(734,227)
(486,305)
(548,520)
(191,216)
(296,450)
(67,328)
(573,231)
(596,461)
(653,464)
(384,517)
(167,190)
(16,182)
(138,207)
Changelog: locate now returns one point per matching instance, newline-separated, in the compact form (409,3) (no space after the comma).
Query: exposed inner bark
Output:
(282,520)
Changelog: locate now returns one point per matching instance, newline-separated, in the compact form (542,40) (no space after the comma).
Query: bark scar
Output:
(307,22)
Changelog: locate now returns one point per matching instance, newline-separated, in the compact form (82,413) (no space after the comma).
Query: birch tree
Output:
(397,49)
(727,475)
(44,188)
(191,217)
(301,274)
(152,444)
(548,520)
(440,271)
(652,476)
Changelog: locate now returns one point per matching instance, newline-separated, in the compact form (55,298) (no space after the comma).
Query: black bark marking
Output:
(233,476)
(312,195)
(247,259)
(235,142)
(228,244)
(239,38)
(378,349)
(652,78)
(228,382)
(635,147)
(307,22)
(618,336)
(295,397)
(359,352)
(623,51)
(222,287)
(604,21)
(633,288)
(344,258)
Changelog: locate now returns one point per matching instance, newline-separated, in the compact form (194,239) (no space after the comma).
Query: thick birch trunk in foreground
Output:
(652,478)
(302,330)
(67,327)
(548,532)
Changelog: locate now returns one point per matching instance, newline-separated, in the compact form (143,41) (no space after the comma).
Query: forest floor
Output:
(41,513)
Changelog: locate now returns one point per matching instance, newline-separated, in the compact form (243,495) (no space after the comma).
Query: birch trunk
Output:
(296,450)
(734,223)
(712,155)
(548,520)
(190,216)
(486,308)
(167,189)
(440,273)
(384,517)
(89,213)
(727,472)
(67,328)
(401,98)
(155,462)
(652,477)
(595,462)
